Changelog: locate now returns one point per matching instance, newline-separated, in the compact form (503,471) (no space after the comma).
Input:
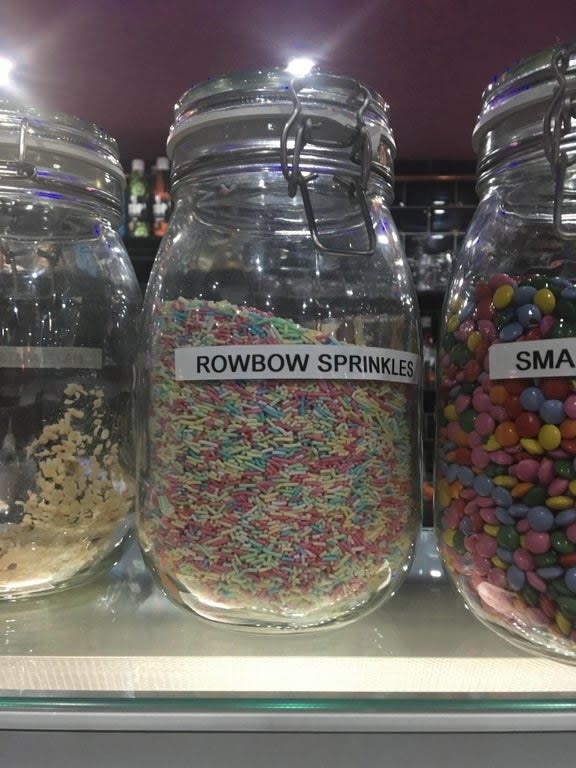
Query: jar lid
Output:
(59,153)
(268,116)
(527,107)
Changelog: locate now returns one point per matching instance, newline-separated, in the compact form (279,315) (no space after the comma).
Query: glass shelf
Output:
(121,645)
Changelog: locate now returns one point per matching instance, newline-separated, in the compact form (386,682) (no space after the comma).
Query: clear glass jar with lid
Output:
(69,310)
(279,373)
(506,452)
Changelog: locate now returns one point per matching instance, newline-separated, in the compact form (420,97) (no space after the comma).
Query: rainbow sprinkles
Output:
(289,501)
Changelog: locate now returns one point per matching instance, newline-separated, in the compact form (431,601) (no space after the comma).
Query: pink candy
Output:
(558,486)
(538,542)
(546,471)
(523,559)
(570,406)
(480,457)
(484,424)
(481,401)
(526,470)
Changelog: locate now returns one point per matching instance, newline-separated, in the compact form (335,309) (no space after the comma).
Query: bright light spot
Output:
(6,67)
(300,66)
(435,573)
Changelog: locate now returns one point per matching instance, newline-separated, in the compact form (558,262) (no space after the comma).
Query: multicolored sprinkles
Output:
(282,503)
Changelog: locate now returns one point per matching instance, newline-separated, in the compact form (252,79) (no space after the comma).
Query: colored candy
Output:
(522,465)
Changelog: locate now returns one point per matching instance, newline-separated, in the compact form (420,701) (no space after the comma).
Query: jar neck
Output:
(38,213)
(528,187)
(335,211)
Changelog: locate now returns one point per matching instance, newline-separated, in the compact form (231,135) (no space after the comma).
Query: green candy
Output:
(559,588)
(467,419)
(545,559)
(530,595)
(560,542)
(538,282)
(536,496)
(508,537)
(461,355)
(565,309)
(563,468)
(568,606)
(458,542)
(564,329)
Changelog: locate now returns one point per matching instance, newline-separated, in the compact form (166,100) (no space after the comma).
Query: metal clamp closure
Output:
(20,168)
(557,124)
(360,154)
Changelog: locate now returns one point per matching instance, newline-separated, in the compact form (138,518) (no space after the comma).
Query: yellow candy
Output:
(448,536)
(450,412)
(498,562)
(549,437)
(444,495)
(452,324)
(563,624)
(473,340)
(491,444)
(491,530)
(559,502)
(504,481)
(502,296)
(545,300)
(572,487)
(531,446)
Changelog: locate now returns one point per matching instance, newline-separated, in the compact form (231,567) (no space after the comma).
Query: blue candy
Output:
(505,555)
(531,399)
(511,331)
(504,516)
(518,510)
(540,518)
(552,411)
(466,476)
(483,485)
(550,572)
(566,517)
(523,294)
(570,579)
(516,578)
(529,315)
(502,497)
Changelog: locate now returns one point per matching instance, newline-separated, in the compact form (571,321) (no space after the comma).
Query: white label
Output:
(295,361)
(533,359)
(50,357)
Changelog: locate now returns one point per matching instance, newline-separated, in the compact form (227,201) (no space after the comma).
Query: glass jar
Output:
(506,450)
(280,365)
(69,309)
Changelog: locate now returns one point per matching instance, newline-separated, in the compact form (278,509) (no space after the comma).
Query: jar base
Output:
(265,621)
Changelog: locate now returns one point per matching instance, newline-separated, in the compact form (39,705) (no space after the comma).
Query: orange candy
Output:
(498,394)
(460,437)
(520,489)
(506,433)
(568,429)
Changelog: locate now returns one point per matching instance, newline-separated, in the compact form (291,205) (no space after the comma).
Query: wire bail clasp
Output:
(557,124)
(360,146)
(20,168)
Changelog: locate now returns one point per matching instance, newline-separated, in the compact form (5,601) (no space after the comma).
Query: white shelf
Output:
(123,637)
(90,675)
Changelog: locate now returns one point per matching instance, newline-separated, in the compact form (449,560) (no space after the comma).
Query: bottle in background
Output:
(138,218)
(428,352)
(161,203)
